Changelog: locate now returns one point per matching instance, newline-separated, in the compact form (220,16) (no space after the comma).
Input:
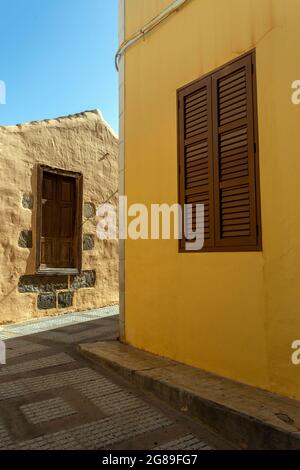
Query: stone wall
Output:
(82,143)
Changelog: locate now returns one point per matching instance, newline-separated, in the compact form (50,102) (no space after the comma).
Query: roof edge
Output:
(59,119)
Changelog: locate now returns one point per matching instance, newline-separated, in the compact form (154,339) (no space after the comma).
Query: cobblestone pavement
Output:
(52,398)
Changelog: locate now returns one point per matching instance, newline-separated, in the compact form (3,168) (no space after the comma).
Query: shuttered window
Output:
(196,151)
(218,158)
(58,228)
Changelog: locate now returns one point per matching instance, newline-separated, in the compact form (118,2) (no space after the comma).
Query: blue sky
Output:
(57,58)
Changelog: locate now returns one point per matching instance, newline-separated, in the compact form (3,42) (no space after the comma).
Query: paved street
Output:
(52,398)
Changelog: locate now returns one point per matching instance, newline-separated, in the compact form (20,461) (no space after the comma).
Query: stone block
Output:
(88,242)
(84,280)
(89,210)
(25,239)
(27,201)
(65,299)
(40,284)
(46,301)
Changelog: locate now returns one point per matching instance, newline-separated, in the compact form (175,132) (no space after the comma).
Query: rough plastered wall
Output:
(82,143)
(235,314)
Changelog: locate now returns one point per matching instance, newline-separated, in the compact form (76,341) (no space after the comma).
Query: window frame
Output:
(180,159)
(78,177)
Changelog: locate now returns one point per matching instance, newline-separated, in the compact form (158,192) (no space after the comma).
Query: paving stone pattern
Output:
(21,347)
(47,410)
(5,438)
(188,442)
(52,398)
(50,361)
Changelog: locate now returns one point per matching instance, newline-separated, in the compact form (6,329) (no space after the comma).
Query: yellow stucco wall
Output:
(235,314)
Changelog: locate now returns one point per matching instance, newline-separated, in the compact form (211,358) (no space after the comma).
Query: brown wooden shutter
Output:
(66,208)
(236,221)
(48,214)
(195,153)
(58,221)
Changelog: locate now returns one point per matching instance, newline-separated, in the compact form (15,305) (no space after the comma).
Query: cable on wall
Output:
(156,21)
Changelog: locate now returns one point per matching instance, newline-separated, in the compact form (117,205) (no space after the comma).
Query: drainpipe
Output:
(174,7)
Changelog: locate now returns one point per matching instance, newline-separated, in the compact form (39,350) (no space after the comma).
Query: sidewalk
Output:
(250,417)
(52,398)
(38,325)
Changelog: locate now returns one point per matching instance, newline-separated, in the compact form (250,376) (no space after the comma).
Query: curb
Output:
(259,428)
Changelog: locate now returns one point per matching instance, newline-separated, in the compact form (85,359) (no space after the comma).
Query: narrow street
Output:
(52,398)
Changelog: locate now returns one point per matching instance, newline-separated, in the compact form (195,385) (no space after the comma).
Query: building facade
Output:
(55,175)
(208,115)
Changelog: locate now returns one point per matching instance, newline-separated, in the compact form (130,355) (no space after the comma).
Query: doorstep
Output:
(250,417)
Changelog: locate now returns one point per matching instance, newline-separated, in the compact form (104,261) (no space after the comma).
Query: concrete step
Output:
(250,417)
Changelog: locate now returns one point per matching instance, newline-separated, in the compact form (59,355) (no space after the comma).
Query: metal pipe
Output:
(175,6)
